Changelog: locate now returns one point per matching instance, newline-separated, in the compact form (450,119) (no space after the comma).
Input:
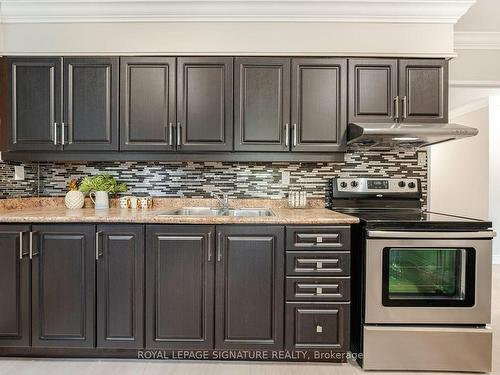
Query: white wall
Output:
(459,170)
(300,38)
(476,65)
(495,172)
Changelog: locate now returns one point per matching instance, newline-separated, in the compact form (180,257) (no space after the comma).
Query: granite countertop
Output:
(52,210)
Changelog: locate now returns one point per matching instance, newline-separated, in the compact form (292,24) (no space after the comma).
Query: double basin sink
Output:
(207,211)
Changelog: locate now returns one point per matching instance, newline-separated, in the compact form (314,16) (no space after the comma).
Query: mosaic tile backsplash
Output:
(194,180)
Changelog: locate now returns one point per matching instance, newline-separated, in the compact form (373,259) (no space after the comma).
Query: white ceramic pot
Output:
(100,199)
(74,199)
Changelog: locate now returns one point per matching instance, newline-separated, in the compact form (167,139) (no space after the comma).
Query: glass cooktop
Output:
(408,218)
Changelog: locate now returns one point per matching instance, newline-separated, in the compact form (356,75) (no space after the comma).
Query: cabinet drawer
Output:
(318,288)
(317,263)
(317,238)
(317,326)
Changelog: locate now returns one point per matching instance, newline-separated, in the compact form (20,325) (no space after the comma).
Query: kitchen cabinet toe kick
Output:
(195,292)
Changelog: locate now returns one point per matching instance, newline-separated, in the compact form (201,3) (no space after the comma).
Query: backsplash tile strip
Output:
(196,179)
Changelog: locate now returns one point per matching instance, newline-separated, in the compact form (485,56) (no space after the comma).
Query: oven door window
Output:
(438,277)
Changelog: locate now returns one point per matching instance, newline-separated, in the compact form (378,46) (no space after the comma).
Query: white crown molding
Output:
(391,11)
(477,40)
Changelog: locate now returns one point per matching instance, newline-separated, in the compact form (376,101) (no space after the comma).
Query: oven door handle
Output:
(430,235)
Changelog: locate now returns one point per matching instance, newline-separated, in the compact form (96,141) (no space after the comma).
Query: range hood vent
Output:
(401,135)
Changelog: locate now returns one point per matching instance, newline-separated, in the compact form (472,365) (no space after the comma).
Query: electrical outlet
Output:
(285,177)
(19,172)
(421,158)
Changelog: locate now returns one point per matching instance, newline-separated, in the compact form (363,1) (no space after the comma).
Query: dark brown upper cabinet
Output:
(147,103)
(35,103)
(90,104)
(63,285)
(249,287)
(262,104)
(205,104)
(373,90)
(120,286)
(319,95)
(423,90)
(180,286)
(15,318)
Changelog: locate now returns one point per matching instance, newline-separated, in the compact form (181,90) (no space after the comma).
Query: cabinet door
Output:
(262,108)
(205,103)
(249,287)
(423,89)
(90,104)
(63,278)
(147,103)
(373,87)
(35,103)
(179,287)
(318,326)
(319,94)
(14,286)
(120,286)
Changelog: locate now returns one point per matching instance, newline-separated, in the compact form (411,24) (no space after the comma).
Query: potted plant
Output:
(99,187)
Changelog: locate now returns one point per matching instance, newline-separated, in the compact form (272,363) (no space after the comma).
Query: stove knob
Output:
(354,184)
(401,184)
(343,184)
(411,185)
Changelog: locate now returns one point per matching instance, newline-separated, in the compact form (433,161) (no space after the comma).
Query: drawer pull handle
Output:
(319,291)
(319,265)
(319,239)
(316,261)
(319,328)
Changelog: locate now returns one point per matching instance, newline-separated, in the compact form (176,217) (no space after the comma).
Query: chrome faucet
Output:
(223,202)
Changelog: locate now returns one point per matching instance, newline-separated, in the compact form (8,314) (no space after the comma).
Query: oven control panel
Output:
(376,187)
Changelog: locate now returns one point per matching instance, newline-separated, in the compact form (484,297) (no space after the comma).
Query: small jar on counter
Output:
(297,198)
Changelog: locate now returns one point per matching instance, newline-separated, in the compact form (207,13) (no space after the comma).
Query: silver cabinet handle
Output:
(170,134)
(287,135)
(405,107)
(31,245)
(396,108)
(209,246)
(294,135)
(62,133)
(55,133)
(97,245)
(21,245)
(219,246)
(179,134)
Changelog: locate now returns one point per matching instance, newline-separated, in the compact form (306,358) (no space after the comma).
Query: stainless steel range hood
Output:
(401,135)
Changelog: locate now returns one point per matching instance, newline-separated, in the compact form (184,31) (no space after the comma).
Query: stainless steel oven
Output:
(428,277)
(424,279)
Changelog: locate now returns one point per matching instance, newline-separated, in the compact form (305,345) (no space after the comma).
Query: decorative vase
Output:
(100,199)
(74,199)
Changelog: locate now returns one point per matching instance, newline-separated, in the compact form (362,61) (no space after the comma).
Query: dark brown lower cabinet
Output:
(120,286)
(180,286)
(249,287)
(15,320)
(317,326)
(63,285)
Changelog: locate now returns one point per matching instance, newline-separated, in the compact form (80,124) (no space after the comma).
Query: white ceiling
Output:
(482,16)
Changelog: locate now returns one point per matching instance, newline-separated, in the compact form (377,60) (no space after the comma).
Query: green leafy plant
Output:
(102,182)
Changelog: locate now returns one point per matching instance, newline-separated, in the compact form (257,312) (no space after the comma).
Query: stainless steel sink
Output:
(207,211)
(250,212)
